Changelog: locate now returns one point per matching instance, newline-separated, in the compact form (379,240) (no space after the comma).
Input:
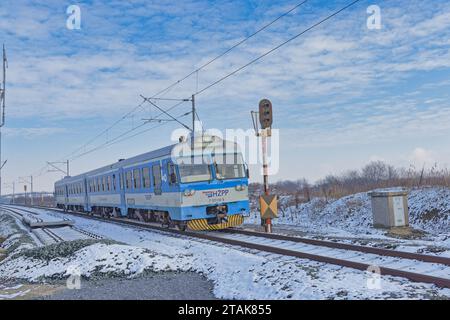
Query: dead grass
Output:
(2,251)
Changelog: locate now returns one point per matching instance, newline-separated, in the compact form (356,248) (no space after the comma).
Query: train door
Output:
(170,178)
(86,197)
(123,203)
(157,178)
(66,196)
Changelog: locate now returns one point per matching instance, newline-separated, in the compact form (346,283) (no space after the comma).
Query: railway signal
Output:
(265,114)
(268,203)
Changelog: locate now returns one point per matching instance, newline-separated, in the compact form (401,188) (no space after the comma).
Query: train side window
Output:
(104,184)
(156,170)
(121,181)
(146,177)
(137,179)
(98,184)
(114,182)
(172,175)
(128,180)
(108,183)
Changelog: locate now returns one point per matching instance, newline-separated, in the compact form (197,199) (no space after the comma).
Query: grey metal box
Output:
(390,208)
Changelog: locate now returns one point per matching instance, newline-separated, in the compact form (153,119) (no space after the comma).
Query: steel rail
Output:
(416,277)
(345,246)
(52,235)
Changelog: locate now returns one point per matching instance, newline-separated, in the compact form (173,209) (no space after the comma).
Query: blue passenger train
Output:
(206,189)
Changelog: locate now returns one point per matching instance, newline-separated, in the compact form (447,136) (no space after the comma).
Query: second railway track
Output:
(412,266)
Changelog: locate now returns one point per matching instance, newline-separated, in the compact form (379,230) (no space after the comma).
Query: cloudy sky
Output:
(343,94)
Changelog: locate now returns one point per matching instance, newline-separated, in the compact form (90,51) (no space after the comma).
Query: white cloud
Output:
(421,156)
(31,133)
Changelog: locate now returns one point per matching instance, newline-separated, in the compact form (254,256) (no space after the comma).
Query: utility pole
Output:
(193,124)
(2,101)
(13,186)
(58,169)
(25,180)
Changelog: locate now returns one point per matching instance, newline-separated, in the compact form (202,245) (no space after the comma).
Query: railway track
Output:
(412,266)
(49,234)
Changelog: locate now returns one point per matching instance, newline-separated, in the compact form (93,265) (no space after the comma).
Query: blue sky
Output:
(343,95)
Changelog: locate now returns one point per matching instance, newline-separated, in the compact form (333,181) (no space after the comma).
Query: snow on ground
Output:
(16,236)
(236,273)
(351,216)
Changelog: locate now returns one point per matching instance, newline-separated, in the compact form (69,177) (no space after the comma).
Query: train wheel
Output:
(182,226)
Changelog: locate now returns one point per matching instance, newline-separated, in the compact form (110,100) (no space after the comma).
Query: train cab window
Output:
(229,166)
(156,172)
(194,169)
(128,180)
(137,179)
(172,175)
(146,177)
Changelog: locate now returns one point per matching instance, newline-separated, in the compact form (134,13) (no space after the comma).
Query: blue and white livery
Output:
(206,189)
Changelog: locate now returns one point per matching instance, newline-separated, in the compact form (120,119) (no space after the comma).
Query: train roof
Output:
(201,143)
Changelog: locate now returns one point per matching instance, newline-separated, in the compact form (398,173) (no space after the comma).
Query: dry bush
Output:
(374,175)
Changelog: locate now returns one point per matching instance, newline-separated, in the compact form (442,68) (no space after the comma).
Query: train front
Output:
(214,185)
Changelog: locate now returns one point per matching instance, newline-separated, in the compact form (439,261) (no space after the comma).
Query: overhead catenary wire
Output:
(277,47)
(231,48)
(106,130)
(240,68)
(191,73)
(124,134)
(198,92)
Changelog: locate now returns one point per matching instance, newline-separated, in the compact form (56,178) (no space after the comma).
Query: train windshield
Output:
(194,169)
(229,166)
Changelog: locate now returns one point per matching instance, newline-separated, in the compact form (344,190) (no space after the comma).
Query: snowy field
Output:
(350,219)
(236,273)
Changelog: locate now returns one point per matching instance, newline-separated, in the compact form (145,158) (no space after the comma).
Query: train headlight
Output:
(240,187)
(189,193)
